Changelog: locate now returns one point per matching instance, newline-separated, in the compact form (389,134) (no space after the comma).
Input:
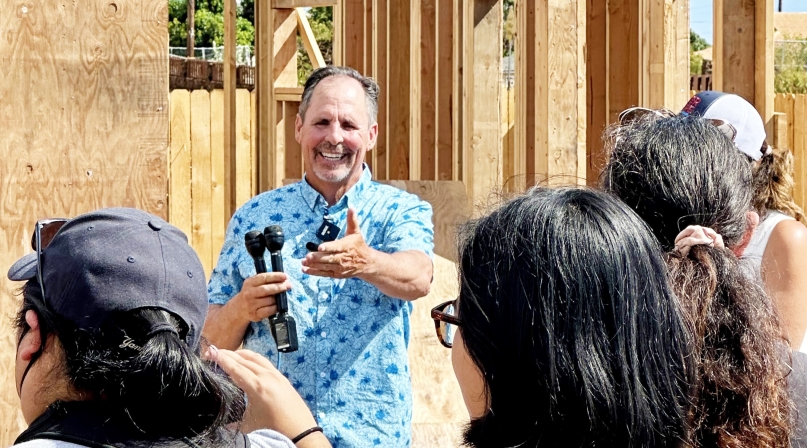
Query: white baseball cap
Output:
(736,111)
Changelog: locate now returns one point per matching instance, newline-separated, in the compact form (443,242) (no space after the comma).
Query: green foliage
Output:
(509,28)
(321,20)
(695,63)
(696,42)
(790,60)
(209,22)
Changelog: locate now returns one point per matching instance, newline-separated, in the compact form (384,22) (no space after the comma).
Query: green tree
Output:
(696,43)
(791,66)
(209,23)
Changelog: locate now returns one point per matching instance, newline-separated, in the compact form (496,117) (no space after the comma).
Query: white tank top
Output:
(759,240)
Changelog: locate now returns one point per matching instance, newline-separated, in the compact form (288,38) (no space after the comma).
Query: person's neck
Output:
(333,192)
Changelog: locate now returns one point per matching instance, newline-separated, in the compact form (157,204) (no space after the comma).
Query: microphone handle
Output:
(277,266)
(260,265)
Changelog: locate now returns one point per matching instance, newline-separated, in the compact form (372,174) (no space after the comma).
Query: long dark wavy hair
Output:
(567,313)
(680,171)
(157,381)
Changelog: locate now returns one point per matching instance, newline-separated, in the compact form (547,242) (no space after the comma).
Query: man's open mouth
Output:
(333,157)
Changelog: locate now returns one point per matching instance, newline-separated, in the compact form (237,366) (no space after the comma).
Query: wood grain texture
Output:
(623,55)
(582,112)
(354,34)
(763,60)
(219,217)
(428,88)
(800,148)
(294,157)
(734,49)
(201,194)
(559,103)
(84,91)
(597,87)
(243,150)
(526,84)
(380,61)
(179,189)
(265,93)
(445,89)
(230,131)
(253,100)
(398,89)
(483,163)
(416,92)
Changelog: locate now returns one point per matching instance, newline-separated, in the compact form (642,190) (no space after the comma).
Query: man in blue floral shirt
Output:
(351,297)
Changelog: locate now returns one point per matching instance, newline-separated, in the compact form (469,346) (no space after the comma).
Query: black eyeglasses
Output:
(446,322)
(632,114)
(44,232)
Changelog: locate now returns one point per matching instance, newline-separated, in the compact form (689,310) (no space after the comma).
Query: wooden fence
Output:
(789,129)
(196,187)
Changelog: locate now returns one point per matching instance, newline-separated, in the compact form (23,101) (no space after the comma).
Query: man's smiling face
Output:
(335,134)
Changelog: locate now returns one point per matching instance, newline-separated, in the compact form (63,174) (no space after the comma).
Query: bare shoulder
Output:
(790,233)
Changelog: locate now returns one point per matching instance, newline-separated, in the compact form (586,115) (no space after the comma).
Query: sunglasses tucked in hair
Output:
(44,232)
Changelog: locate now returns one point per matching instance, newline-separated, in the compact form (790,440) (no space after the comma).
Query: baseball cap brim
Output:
(23,269)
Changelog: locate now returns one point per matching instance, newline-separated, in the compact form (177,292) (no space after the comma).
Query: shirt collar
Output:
(352,197)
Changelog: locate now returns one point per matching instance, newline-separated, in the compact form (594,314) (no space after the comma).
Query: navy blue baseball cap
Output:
(116,260)
(739,113)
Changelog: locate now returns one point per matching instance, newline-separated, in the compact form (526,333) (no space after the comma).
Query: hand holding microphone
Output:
(282,324)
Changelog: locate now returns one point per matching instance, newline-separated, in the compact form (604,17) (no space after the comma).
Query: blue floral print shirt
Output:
(351,367)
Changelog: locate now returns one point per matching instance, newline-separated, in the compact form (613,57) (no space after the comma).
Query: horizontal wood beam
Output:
(289,4)
(288,94)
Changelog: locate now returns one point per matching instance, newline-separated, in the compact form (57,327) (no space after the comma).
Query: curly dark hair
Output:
(680,171)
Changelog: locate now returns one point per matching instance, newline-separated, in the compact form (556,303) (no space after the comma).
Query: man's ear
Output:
(373,136)
(752,221)
(32,341)
(298,126)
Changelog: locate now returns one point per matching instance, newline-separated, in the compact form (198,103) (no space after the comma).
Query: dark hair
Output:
(156,379)
(681,171)
(567,312)
(369,86)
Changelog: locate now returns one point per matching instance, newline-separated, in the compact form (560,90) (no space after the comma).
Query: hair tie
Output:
(161,328)
(697,235)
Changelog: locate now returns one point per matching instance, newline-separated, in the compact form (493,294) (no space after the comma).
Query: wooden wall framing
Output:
(549,104)
(637,55)
(743,52)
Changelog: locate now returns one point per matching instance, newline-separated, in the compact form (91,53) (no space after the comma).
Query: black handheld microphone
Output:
(256,245)
(284,328)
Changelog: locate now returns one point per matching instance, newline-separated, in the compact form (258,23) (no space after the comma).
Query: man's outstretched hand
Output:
(349,256)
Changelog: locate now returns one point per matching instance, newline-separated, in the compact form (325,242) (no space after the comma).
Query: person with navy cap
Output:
(109,343)
(778,246)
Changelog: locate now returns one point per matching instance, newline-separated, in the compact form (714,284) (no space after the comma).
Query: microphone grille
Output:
(255,242)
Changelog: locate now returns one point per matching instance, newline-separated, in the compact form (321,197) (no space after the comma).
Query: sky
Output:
(700,12)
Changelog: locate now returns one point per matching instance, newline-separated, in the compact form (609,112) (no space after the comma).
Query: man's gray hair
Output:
(368,84)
